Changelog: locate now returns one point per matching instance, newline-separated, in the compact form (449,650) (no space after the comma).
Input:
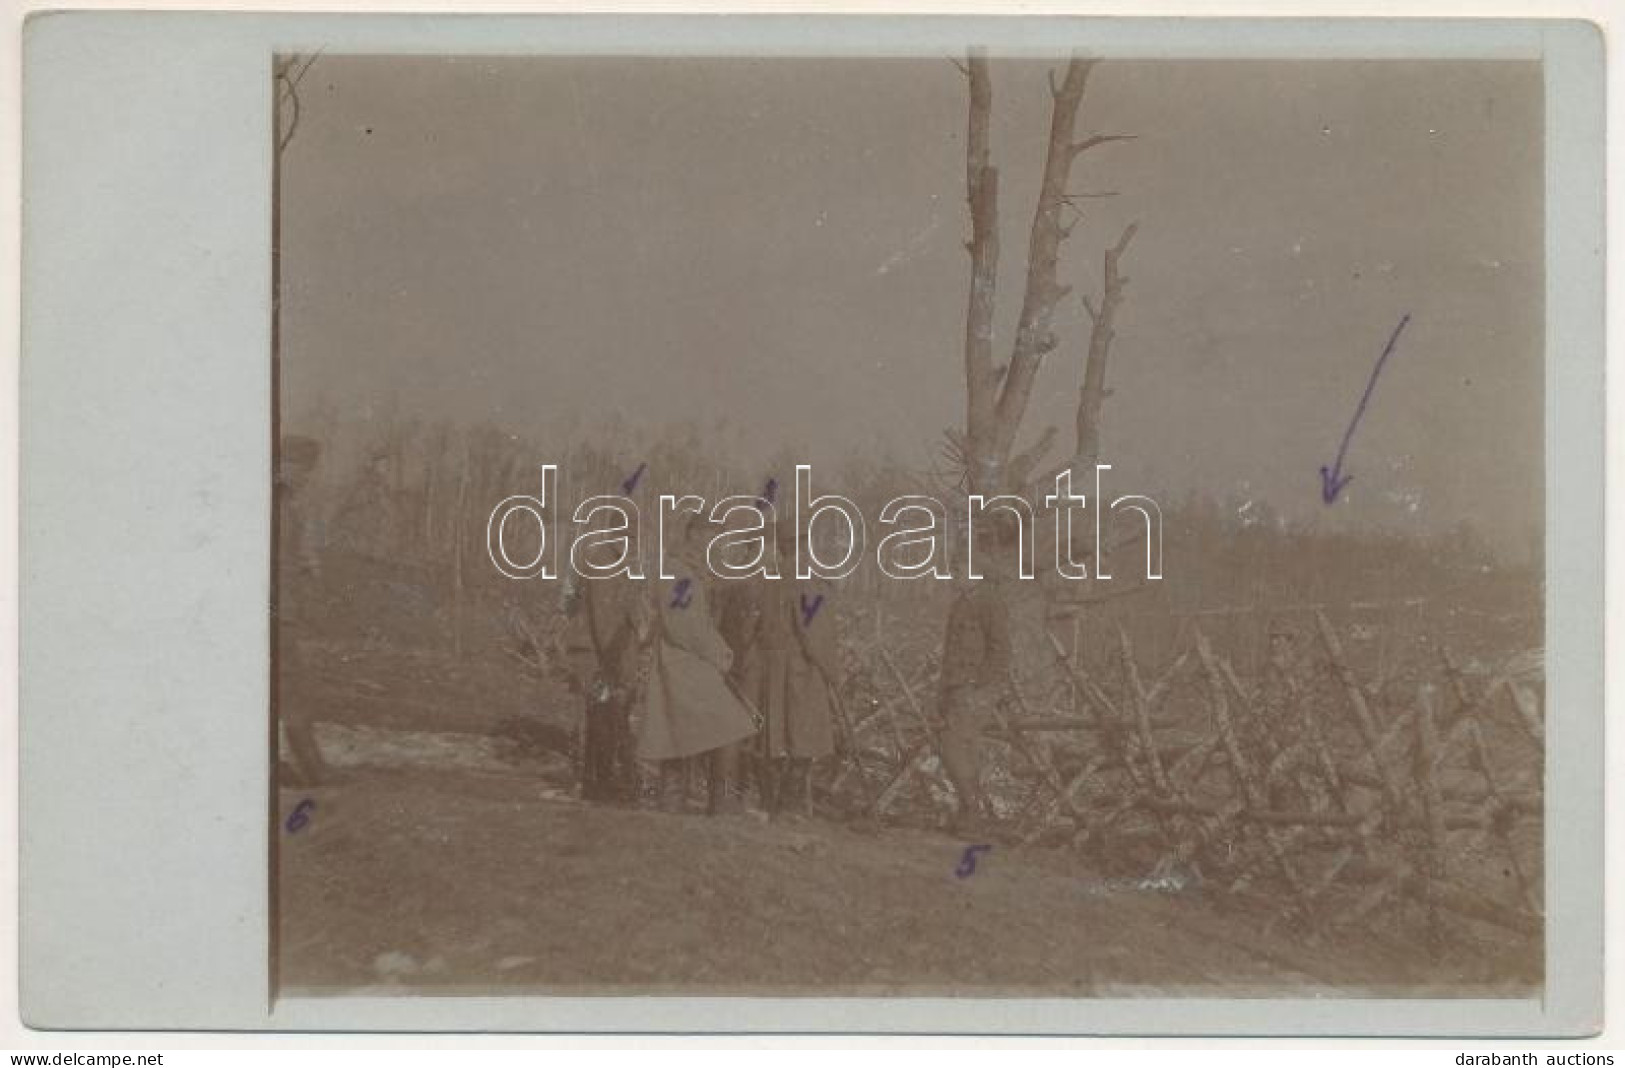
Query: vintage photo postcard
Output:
(958,525)
(1027,517)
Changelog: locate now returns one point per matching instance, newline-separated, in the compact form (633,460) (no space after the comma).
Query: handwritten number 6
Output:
(300,816)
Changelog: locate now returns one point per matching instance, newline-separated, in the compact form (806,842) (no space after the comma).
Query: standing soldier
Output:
(689,708)
(600,650)
(791,663)
(737,606)
(602,654)
(298,581)
(975,677)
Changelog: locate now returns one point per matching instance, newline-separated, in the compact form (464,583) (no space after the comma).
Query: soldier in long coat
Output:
(689,709)
(789,665)
(601,654)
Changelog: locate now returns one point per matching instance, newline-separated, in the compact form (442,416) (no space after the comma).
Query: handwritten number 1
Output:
(632,483)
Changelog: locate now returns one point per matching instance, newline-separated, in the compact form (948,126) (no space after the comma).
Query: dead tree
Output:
(286,73)
(997,395)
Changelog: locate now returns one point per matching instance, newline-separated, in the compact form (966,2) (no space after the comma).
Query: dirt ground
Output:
(485,876)
(448,854)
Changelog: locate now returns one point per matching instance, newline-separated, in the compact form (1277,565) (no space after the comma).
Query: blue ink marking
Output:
(300,816)
(681,595)
(967,863)
(632,483)
(1333,480)
(768,492)
(810,610)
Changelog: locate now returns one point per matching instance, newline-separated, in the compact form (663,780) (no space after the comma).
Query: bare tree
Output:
(286,74)
(997,396)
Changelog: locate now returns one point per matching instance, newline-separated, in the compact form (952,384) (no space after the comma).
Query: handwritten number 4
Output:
(967,863)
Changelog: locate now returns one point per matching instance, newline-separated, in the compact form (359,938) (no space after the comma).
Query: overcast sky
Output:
(780,241)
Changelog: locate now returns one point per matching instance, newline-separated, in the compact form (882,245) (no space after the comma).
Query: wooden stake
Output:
(1427,785)
(1142,716)
(1364,722)
(1239,766)
(1478,755)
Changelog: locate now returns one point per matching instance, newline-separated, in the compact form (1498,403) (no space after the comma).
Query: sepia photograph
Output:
(982,525)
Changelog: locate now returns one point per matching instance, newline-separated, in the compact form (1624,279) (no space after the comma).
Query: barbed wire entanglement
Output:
(1326,794)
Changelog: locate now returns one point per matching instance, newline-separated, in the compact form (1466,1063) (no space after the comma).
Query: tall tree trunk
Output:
(982,191)
(996,398)
(286,74)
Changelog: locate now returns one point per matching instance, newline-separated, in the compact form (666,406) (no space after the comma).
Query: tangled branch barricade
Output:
(1305,787)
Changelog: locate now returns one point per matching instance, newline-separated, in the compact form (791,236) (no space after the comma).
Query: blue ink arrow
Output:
(1332,480)
(632,483)
(810,609)
(681,595)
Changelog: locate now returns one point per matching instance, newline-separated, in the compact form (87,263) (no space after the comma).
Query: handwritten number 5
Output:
(967,863)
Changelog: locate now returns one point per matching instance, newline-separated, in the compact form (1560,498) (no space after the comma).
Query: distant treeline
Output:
(421,493)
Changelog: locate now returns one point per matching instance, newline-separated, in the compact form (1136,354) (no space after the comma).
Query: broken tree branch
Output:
(1092,394)
(1096,141)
